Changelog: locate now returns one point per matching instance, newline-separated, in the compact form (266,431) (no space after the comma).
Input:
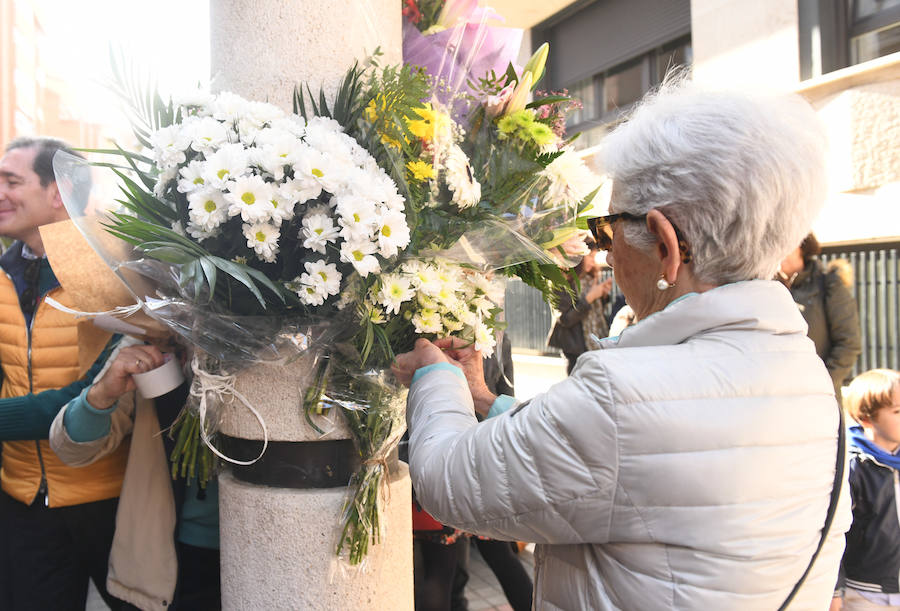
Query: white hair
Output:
(742,176)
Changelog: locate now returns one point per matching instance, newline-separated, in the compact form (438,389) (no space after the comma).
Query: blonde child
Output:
(872,558)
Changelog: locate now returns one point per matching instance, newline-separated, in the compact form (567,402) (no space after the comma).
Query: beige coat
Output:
(143,567)
(688,465)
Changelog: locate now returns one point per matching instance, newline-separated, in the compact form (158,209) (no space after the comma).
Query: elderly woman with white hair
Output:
(695,461)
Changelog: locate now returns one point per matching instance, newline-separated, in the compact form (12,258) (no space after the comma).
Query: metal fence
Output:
(877,294)
(876,288)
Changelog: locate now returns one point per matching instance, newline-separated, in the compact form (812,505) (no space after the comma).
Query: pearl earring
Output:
(662,284)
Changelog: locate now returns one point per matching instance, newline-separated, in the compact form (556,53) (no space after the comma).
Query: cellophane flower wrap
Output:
(503,158)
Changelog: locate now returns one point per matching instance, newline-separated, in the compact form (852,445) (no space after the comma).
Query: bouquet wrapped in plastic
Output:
(338,233)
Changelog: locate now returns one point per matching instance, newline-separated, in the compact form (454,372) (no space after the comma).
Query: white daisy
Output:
(228,163)
(207,209)
(301,190)
(358,217)
(395,290)
(393,234)
(191,177)
(282,207)
(360,254)
(318,230)
(250,197)
(169,144)
(228,107)
(325,276)
(263,239)
(207,134)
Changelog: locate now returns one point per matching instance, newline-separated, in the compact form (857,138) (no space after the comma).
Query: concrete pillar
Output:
(278,544)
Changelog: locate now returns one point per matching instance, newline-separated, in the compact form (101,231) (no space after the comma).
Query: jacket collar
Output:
(752,305)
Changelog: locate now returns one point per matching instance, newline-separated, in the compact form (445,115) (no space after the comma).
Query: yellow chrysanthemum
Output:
(420,170)
(430,124)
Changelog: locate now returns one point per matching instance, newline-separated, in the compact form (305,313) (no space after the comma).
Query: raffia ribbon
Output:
(222,386)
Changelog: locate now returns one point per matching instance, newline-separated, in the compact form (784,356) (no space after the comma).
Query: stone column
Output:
(278,543)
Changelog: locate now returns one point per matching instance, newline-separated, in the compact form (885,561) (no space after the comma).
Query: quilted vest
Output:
(61,352)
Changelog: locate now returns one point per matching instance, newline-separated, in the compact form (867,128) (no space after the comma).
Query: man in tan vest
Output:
(57,521)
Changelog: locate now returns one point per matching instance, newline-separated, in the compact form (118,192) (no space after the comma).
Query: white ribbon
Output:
(221,386)
(118,312)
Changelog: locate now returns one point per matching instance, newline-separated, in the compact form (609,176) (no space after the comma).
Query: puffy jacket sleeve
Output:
(843,329)
(543,472)
(79,454)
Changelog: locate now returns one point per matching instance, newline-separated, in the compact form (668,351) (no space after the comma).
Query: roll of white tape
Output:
(156,382)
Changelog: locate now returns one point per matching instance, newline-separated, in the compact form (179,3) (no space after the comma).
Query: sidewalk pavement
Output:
(483,592)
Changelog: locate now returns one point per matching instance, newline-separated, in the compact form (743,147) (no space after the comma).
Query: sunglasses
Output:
(602,229)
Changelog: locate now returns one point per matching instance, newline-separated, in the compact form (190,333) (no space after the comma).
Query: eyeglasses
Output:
(602,229)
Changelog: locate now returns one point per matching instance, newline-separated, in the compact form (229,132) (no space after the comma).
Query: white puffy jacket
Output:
(686,465)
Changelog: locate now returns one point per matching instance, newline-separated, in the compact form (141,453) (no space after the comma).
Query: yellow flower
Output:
(420,170)
(432,123)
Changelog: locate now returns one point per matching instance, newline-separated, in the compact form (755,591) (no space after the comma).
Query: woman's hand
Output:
(600,290)
(117,381)
(425,353)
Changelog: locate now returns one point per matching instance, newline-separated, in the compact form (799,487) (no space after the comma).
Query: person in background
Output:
(582,318)
(57,521)
(165,553)
(824,298)
(694,462)
(872,558)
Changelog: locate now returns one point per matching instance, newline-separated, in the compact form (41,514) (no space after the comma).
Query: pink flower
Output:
(495,105)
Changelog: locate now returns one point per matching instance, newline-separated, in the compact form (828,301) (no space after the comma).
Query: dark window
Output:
(835,34)
(606,95)
(874,29)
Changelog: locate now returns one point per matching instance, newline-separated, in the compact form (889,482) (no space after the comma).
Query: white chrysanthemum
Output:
(318,231)
(425,277)
(169,144)
(282,207)
(324,275)
(395,291)
(360,254)
(251,198)
(263,239)
(451,324)
(484,286)
(292,124)
(262,113)
(228,107)
(191,177)
(461,179)
(320,281)
(357,217)
(324,170)
(228,163)
(197,100)
(427,321)
(162,181)
(570,179)
(207,134)
(276,154)
(393,234)
(484,340)
(207,209)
